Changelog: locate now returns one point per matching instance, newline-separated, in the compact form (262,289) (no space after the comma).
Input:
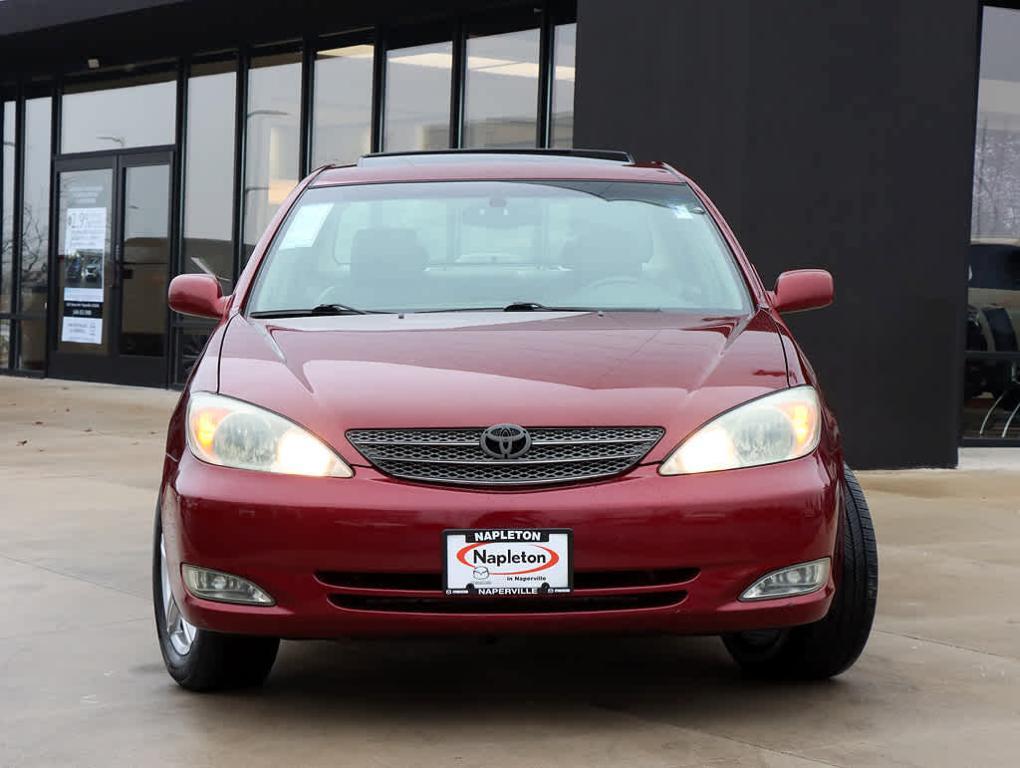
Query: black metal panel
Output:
(457,75)
(545,79)
(197,26)
(837,135)
(14,278)
(307,102)
(30,15)
(378,90)
(240,140)
(176,231)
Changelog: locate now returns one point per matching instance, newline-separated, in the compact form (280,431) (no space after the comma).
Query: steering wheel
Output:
(611,280)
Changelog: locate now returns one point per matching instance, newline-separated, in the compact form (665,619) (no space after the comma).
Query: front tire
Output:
(830,646)
(198,659)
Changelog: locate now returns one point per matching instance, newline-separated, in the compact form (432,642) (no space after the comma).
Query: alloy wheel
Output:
(179,631)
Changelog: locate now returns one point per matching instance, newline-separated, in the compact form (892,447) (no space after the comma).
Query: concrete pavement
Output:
(82,683)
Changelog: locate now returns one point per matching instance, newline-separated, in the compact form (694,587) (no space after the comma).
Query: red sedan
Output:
(516,392)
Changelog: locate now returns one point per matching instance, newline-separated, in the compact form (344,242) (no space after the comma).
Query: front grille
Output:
(455,456)
(570,603)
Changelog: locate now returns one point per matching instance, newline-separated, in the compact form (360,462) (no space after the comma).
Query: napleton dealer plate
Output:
(507,561)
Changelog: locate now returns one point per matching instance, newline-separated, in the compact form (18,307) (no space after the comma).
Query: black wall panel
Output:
(831,134)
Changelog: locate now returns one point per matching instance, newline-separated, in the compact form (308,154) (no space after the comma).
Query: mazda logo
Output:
(505,441)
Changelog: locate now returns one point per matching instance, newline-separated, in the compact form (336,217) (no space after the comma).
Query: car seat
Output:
(387,264)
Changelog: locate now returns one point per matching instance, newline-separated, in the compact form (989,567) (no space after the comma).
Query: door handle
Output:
(118,266)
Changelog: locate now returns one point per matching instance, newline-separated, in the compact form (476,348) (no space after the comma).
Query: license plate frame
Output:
(470,555)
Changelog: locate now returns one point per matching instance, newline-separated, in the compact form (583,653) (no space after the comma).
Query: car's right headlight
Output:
(233,433)
(777,427)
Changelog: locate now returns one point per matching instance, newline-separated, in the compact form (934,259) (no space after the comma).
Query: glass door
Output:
(112,261)
(84,267)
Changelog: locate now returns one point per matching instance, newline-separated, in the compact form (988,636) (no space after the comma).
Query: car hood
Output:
(473,369)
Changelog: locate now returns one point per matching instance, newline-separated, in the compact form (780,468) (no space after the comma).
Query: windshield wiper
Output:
(516,306)
(320,309)
(534,306)
(526,306)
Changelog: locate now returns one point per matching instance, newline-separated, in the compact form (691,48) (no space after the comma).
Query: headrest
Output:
(387,252)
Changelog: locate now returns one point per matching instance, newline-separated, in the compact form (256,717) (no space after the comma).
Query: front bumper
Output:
(715,533)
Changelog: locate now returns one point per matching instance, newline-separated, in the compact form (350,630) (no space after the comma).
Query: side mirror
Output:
(802,289)
(198,295)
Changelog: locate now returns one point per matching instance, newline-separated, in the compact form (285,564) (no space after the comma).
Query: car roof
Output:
(467,165)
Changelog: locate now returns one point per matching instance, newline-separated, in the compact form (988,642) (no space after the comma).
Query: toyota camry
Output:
(505,392)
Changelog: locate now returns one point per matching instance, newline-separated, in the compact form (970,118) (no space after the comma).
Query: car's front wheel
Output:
(830,646)
(198,659)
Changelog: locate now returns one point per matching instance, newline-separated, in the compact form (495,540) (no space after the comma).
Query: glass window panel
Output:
(501,90)
(992,386)
(32,348)
(5,344)
(343,104)
(564,48)
(35,225)
(7,206)
(146,256)
(272,149)
(136,113)
(418,97)
(209,172)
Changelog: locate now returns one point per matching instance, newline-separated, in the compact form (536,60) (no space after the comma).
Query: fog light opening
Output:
(223,587)
(800,579)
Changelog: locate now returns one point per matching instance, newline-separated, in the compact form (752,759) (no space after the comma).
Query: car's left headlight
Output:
(777,427)
(233,433)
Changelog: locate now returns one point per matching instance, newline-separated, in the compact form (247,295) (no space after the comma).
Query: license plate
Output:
(507,561)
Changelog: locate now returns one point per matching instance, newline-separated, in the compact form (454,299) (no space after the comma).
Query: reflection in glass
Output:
(564,48)
(146,256)
(189,342)
(138,112)
(5,344)
(992,372)
(272,150)
(343,105)
(992,381)
(35,225)
(501,90)
(7,209)
(417,112)
(32,347)
(209,172)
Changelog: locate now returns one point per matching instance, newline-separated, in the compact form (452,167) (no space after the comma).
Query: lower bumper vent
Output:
(572,603)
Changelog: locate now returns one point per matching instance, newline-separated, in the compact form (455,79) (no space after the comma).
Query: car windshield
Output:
(490,245)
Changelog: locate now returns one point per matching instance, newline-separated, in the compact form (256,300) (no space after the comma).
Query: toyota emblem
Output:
(505,441)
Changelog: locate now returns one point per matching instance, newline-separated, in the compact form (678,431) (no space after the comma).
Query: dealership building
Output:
(879,139)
